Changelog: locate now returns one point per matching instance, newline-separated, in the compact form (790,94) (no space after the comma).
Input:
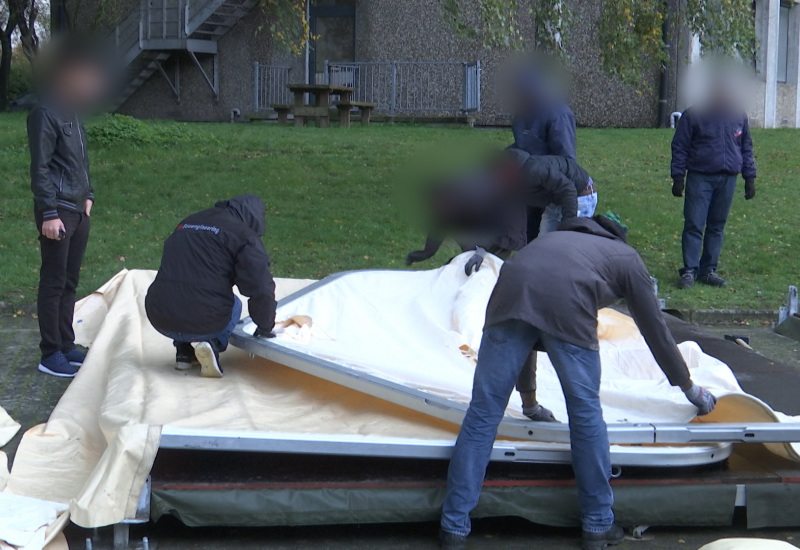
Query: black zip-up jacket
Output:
(561,279)
(549,179)
(207,254)
(713,141)
(59,161)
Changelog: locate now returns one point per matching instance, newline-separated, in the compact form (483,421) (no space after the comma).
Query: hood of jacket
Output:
(587,225)
(250,209)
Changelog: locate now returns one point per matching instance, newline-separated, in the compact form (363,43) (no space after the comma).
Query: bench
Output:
(283,112)
(344,108)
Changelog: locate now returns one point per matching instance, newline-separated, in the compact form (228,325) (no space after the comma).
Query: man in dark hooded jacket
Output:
(192,300)
(548,296)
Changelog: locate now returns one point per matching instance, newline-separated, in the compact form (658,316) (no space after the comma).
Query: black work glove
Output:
(475,262)
(677,187)
(749,189)
(261,333)
(701,398)
(431,247)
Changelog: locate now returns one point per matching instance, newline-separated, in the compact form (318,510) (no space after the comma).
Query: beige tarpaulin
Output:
(100,442)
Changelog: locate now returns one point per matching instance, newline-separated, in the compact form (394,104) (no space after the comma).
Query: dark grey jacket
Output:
(551,180)
(560,280)
(59,161)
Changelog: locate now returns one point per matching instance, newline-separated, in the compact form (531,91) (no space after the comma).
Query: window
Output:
(783,44)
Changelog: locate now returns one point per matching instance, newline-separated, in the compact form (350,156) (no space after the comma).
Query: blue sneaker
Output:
(75,357)
(56,364)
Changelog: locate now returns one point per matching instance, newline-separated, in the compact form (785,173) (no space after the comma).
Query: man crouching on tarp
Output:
(192,300)
(548,297)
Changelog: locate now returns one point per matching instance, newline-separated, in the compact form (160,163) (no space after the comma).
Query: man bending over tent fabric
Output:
(548,297)
(192,299)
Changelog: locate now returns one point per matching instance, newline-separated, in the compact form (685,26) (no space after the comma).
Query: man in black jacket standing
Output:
(548,296)
(192,299)
(711,146)
(63,195)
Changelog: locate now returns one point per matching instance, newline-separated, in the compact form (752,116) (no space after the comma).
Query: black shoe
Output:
(599,541)
(539,414)
(185,357)
(75,357)
(208,356)
(55,364)
(712,279)
(687,279)
(451,541)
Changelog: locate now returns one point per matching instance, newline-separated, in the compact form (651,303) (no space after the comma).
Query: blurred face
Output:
(80,84)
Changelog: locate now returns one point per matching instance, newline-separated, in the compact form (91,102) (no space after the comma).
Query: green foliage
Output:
(551,20)
(630,31)
(725,27)
(111,130)
(631,38)
(288,24)
(20,79)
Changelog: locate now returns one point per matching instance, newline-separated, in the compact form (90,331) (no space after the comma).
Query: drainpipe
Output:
(663,84)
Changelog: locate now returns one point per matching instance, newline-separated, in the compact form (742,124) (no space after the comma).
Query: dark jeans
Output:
(58,279)
(504,349)
(705,212)
(219,339)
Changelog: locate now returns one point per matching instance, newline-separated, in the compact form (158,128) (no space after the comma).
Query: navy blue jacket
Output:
(713,141)
(548,130)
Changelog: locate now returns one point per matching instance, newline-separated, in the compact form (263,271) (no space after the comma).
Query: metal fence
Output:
(399,87)
(270,86)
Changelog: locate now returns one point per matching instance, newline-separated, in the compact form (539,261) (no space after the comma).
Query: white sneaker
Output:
(209,360)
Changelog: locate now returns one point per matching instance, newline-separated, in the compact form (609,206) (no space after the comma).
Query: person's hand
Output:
(701,398)
(749,189)
(419,256)
(261,333)
(53,229)
(677,187)
(475,262)
(88,207)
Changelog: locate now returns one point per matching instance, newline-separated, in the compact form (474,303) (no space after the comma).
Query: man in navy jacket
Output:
(711,147)
(542,125)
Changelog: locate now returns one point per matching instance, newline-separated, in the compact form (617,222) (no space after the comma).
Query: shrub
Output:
(110,130)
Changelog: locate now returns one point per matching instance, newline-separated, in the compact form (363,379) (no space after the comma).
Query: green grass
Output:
(333,201)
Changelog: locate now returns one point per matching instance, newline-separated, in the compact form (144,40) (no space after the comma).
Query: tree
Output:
(631,32)
(19,23)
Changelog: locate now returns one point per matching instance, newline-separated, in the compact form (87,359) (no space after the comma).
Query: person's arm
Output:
(42,139)
(563,191)
(644,309)
(90,198)
(561,138)
(253,277)
(748,162)
(432,245)
(681,147)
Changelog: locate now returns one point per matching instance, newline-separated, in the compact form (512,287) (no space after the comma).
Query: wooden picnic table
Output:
(320,106)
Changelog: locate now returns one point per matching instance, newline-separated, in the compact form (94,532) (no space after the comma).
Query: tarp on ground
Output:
(100,442)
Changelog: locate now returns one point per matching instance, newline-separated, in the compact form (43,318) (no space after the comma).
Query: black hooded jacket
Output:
(561,279)
(549,180)
(207,254)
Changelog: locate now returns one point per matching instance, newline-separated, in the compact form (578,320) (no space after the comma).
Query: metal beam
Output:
(213,81)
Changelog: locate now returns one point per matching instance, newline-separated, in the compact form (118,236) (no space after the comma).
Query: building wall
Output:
(414,30)
(388,30)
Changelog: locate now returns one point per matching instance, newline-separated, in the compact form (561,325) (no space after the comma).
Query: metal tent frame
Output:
(523,430)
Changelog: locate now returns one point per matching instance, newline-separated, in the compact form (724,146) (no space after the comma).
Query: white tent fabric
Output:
(748,544)
(99,444)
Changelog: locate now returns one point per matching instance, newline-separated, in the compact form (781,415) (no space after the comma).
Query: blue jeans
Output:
(551,218)
(219,339)
(705,210)
(504,349)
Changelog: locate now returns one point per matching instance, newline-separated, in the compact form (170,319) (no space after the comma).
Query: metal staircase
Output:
(157,29)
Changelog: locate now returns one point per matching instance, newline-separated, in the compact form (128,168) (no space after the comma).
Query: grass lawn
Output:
(333,201)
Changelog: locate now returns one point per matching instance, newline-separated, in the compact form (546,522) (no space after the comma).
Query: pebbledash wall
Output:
(391,30)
